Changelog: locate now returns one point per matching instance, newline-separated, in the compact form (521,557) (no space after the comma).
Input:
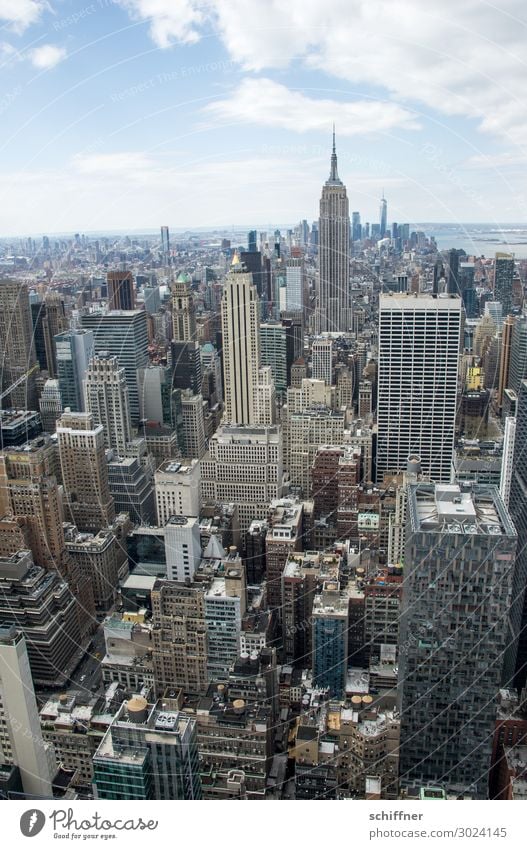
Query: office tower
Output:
(183,312)
(165,244)
(419,341)
(211,362)
(74,350)
(122,334)
(151,299)
(254,264)
(503,278)
(21,740)
(273,340)
(330,623)
(495,310)
(43,607)
(298,373)
(265,398)
(251,241)
(100,557)
(356,229)
(84,471)
(17,349)
(186,366)
(452,280)
(294,283)
(383,216)
(518,355)
(225,605)
(505,358)
(507,459)
(50,404)
(304,433)
(240,311)
(244,466)
(459,553)
(157,399)
(49,319)
(107,400)
(322,360)
(194,443)
(183,547)
(467,291)
(121,290)
(284,535)
(439,277)
(334,294)
(149,752)
(131,487)
(177,490)
(179,637)
(517,663)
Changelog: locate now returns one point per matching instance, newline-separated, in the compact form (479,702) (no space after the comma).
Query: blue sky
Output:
(129,114)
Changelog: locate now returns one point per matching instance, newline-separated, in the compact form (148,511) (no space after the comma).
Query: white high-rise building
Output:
(107,399)
(507,459)
(177,490)
(294,282)
(240,316)
(183,547)
(244,466)
(419,339)
(322,360)
(21,740)
(265,413)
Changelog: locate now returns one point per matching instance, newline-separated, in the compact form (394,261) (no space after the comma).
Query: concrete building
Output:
(322,360)
(84,471)
(183,311)
(179,637)
(294,277)
(419,339)
(284,535)
(42,606)
(107,400)
(149,752)
(265,398)
(244,466)
(100,558)
(240,311)
(503,279)
(194,443)
(460,552)
(507,459)
(177,489)
(183,547)
(131,487)
(121,290)
(21,741)
(50,404)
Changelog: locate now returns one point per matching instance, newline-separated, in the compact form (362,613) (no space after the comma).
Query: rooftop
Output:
(458,508)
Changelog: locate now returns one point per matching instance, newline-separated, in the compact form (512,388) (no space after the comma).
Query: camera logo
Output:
(32,822)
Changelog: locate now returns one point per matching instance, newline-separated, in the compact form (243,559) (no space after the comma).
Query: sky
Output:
(129,114)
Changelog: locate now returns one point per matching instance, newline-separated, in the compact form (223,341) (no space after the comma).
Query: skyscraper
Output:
(121,290)
(84,471)
(107,400)
(457,592)
(503,277)
(356,229)
(74,350)
(165,244)
(183,313)
(240,314)
(294,277)
(322,360)
(17,350)
(419,338)
(383,216)
(334,295)
(21,740)
(518,509)
(122,333)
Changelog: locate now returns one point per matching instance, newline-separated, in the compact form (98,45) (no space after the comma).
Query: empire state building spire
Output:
(333,174)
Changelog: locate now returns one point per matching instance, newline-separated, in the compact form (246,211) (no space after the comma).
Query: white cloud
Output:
(20,14)
(46,56)
(111,164)
(175,20)
(460,57)
(262,101)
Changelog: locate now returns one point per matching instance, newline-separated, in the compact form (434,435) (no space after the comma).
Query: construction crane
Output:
(18,382)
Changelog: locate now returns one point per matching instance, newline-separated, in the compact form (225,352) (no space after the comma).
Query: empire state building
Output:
(334,295)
